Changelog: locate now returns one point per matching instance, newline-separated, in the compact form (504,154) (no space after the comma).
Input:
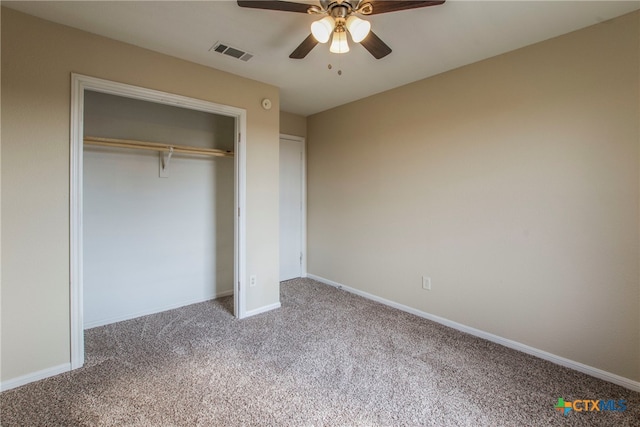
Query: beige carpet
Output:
(326,358)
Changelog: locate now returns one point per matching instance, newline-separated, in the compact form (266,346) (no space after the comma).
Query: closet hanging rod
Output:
(155,146)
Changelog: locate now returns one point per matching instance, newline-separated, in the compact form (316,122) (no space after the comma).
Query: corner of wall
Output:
(293,124)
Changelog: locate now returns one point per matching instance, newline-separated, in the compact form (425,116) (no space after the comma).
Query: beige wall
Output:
(38,58)
(513,183)
(293,124)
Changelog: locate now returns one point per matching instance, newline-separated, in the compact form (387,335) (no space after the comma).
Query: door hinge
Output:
(238,211)
(300,257)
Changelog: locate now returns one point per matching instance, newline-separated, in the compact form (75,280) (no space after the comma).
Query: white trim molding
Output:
(562,361)
(35,376)
(240,222)
(261,310)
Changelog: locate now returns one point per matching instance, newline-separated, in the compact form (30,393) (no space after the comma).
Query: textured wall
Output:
(38,58)
(513,183)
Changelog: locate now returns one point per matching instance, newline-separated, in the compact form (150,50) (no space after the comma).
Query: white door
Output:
(291,208)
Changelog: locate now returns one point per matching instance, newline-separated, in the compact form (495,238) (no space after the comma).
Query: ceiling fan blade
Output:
(394,6)
(286,6)
(375,46)
(304,48)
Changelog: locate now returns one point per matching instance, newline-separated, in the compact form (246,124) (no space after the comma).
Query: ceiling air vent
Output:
(231,51)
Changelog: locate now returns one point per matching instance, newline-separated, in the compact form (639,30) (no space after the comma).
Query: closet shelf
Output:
(155,146)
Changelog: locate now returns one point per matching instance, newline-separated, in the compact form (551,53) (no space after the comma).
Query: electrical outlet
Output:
(252,281)
(426,283)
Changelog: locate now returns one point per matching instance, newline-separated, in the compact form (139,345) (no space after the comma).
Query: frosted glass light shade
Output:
(359,28)
(339,43)
(322,29)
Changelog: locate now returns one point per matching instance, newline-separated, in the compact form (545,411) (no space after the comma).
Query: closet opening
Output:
(157,191)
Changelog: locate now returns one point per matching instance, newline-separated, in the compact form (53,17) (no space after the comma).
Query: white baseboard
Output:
(261,310)
(34,376)
(581,367)
(154,310)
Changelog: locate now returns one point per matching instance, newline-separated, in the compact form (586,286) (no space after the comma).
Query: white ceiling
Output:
(425,41)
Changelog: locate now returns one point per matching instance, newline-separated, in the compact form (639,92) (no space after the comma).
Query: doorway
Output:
(155,238)
(79,85)
(292,208)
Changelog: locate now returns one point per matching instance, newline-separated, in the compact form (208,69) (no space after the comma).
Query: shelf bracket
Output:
(165,158)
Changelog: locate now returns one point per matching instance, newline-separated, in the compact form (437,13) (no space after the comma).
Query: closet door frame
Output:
(80,83)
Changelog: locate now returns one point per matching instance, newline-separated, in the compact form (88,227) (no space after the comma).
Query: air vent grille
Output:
(225,49)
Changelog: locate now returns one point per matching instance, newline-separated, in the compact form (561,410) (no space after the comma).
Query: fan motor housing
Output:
(331,5)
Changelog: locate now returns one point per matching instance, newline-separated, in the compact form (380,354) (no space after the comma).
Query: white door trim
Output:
(303,244)
(80,83)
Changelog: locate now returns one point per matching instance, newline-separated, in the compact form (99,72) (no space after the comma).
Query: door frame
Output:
(80,83)
(303,213)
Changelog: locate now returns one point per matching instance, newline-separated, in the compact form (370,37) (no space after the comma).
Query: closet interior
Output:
(158,206)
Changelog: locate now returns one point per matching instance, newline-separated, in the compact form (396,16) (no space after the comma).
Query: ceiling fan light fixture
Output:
(336,14)
(323,28)
(339,43)
(359,28)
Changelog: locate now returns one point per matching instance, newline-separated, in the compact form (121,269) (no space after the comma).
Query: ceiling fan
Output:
(340,17)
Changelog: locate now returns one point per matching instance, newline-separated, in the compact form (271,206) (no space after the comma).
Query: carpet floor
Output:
(326,358)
